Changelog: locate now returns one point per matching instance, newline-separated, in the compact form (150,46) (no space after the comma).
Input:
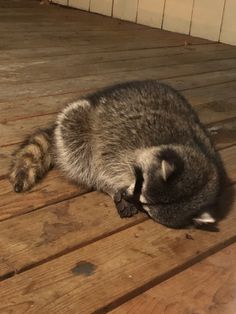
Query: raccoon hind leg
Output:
(32,160)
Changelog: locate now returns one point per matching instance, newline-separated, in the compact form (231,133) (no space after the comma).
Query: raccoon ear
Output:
(166,169)
(204,218)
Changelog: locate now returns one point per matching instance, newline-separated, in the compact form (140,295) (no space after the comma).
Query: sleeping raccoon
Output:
(140,142)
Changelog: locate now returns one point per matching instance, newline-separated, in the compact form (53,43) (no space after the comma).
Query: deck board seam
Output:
(173,272)
(135,70)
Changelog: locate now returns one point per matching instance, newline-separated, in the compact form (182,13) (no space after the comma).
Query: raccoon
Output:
(140,142)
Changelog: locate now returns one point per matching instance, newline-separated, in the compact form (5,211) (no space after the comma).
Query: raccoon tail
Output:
(32,160)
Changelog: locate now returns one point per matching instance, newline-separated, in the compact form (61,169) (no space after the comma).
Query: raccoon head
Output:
(179,185)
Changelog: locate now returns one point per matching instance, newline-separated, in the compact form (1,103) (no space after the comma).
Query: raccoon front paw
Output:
(124,208)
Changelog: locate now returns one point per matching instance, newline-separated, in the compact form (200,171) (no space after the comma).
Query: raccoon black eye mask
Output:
(140,142)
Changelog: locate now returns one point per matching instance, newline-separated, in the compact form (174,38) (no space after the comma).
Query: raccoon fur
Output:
(140,142)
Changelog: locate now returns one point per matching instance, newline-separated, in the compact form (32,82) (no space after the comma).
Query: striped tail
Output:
(32,160)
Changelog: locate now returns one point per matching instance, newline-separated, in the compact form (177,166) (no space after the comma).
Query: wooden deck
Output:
(63,250)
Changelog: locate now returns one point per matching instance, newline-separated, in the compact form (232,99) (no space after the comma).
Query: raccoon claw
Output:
(124,208)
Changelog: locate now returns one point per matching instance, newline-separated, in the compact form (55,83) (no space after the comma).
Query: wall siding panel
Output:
(177,16)
(62,2)
(207,18)
(125,10)
(228,32)
(79,4)
(101,6)
(150,12)
(210,19)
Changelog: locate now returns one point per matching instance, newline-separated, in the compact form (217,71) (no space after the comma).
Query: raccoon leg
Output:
(124,200)
(124,206)
(32,160)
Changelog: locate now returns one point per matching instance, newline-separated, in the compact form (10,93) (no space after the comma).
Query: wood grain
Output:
(58,229)
(209,101)
(84,65)
(25,55)
(15,128)
(64,251)
(211,114)
(53,189)
(194,76)
(207,287)
(223,133)
(14,131)
(124,264)
(64,226)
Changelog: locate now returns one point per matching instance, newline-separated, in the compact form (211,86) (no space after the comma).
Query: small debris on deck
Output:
(188,236)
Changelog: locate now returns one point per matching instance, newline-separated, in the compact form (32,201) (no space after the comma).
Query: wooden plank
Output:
(58,227)
(190,76)
(177,16)
(45,16)
(53,189)
(18,4)
(80,25)
(212,289)
(150,12)
(5,160)
(52,69)
(228,31)
(217,110)
(30,108)
(13,126)
(102,7)
(51,13)
(228,158)
(79,4)
(210,101)
(206,19)
(132,261)
(213,112)
(209,94)
(223,132)
(125,10)
(210,78)
(97,43)
(14,131)
(32,55)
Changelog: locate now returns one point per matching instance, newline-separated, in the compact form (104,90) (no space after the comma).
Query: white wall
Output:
(211,19)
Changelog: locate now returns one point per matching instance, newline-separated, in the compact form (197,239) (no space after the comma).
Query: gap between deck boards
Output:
(122,225)
(156,269)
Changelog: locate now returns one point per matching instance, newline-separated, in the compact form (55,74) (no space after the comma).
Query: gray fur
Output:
(140,131)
